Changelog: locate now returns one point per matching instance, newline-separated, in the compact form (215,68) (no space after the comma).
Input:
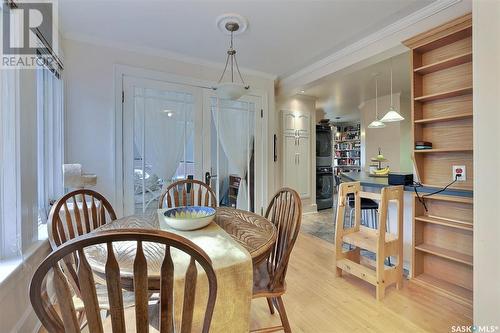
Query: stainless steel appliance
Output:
(323,145)
(324,187)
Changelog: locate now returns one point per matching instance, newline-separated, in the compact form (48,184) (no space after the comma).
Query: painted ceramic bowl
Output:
(189,218)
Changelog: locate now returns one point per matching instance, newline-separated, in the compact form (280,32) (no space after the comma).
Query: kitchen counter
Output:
(380,182)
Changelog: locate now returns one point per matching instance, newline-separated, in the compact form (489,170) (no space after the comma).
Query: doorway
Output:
(176,131)
(234,153)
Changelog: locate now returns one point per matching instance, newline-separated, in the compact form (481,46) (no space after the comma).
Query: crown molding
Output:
(163,54)
(331,63)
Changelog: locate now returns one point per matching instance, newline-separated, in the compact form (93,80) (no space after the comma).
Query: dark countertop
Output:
(380,182)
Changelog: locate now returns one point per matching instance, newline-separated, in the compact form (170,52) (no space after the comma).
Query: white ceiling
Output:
(341,95)
(282,37)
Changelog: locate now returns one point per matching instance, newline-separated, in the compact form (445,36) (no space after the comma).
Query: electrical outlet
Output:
(458,172)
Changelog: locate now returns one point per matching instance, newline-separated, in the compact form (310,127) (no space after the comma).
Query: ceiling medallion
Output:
(231,89)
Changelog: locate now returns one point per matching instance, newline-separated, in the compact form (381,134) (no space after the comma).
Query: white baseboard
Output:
(310,209)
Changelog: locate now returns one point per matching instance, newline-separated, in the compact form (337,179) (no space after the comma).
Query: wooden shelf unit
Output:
(444,118)
(444,94)
(447,222)
(346,147)
(446,63)
(442,90)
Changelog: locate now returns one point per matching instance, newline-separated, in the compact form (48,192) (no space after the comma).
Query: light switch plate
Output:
(458,173)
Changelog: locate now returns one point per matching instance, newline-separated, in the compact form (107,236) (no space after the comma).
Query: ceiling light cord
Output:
(391,84)
(376,98)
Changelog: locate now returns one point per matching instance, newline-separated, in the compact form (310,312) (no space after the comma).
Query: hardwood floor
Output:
(317,301)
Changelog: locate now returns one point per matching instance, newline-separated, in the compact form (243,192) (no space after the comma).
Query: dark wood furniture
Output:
(67,321)
(285,212)
(232,192)
(187,192)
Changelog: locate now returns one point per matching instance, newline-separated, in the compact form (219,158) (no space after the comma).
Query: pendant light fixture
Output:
(231,90)
(376,123)
(392,114)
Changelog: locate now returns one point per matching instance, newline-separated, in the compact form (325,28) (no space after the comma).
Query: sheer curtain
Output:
(235,129)
(50,141)
(160,130)
(10,222)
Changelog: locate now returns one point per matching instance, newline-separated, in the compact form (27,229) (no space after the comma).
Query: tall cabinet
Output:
(442,114)
(296,151)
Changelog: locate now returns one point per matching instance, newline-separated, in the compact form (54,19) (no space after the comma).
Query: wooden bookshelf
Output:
(444,94)
(446,222)
(441,61)
(441,150)
(346,147)
(446,63)
(445,253)
(444,118)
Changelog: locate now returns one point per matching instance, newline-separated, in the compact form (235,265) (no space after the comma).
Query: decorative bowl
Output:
(189,218)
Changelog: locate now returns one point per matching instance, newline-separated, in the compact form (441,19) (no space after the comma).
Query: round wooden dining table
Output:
(253,232)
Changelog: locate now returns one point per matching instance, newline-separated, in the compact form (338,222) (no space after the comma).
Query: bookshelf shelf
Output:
(464,225)
(444,118)
(444,94)
(445,253)
(461,294)
(442,150)
(442,114)
(346,147)
(446,63)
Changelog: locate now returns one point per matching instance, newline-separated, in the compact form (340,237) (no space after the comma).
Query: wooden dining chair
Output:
(187,192)
(75,214)
(285,212)
(66,320)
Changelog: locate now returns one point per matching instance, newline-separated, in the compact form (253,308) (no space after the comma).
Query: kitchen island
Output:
(379,182)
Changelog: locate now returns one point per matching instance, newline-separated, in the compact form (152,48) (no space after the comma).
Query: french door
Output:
(161,144)
(233,151)
(173,131)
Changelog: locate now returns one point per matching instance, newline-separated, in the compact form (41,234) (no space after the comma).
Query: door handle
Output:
(208,177)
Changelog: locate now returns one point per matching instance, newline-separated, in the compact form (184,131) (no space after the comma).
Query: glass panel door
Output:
(234,156)
(162,140)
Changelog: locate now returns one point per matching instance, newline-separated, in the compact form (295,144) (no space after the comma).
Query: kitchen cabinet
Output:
(296,152)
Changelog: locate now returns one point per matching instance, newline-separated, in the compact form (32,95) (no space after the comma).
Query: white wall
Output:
(486,67)
(16,313)
(90,104)
(304,104)
(393,139)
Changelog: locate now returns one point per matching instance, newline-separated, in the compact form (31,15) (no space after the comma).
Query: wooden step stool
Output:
(380,242)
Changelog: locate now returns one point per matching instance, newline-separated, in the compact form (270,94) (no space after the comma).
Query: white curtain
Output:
(10,221)
(161,123)
(235,127)
(50,140)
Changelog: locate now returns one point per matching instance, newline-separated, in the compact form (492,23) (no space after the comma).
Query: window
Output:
(50,144)
(9,164)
